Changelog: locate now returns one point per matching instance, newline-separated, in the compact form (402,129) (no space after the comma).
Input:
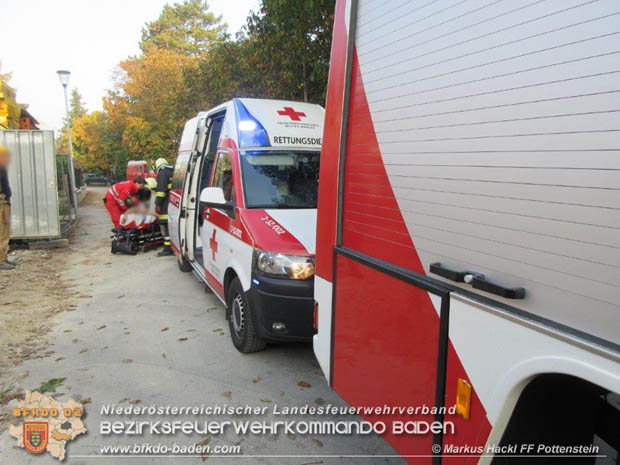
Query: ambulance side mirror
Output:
(214,197)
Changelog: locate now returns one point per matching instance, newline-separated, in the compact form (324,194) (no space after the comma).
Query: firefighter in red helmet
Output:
(121,196)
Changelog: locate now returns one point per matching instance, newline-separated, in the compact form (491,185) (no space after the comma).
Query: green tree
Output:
(77,108)
(224,73)
(290,44)
(188,28)
(283,52)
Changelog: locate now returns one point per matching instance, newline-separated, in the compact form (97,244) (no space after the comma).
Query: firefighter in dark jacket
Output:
(164,184)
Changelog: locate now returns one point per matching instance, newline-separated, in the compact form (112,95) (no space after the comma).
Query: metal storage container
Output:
(32,175)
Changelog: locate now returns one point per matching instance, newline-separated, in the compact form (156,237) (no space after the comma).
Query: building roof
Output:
(33,120)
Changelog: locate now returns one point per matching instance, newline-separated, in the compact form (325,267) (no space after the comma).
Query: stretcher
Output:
(139,231)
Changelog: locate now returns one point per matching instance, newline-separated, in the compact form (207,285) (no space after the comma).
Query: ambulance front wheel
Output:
(241,321)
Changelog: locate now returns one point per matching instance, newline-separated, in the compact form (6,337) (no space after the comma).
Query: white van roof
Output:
(261,123)
(278,123)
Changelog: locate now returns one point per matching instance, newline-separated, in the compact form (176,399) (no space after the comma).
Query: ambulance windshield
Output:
(280,179)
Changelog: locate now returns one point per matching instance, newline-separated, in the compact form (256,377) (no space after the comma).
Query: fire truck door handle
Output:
(479,282)
(207,213)
(448,273)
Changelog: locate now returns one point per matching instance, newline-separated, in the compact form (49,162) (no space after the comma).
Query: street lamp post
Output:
(63,75)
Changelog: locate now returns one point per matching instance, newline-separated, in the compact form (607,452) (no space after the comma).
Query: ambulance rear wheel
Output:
(242,330)
(184,265)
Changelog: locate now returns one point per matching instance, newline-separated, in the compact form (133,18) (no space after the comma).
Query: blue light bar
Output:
(251,131)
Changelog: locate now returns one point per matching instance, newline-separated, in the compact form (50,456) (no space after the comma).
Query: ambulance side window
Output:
(223,176)
(180,170)
(214,137)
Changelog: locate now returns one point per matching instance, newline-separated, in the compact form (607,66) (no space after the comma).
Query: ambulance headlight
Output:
(283,265)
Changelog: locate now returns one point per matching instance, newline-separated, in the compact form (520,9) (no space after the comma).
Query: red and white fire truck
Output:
(468,242)
(139,168)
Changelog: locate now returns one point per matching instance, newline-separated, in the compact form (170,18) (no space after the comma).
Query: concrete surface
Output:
(114,349)
(50,244)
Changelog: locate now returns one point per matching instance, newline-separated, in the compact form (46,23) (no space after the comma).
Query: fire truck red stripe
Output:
(386,331)
(330,151)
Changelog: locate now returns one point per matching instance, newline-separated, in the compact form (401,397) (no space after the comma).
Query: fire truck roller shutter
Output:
(496,125)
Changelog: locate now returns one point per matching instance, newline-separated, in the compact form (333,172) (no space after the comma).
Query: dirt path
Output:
(31,295)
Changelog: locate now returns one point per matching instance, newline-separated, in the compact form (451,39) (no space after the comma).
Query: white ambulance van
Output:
(242,214)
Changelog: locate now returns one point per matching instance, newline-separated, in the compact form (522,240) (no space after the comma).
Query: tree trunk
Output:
(303,66)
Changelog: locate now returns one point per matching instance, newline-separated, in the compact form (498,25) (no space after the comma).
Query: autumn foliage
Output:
(189,63)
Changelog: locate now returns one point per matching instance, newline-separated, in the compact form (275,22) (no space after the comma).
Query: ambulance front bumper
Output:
(283,308)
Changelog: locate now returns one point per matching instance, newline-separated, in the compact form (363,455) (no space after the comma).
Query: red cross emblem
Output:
(294,115)
(213,244)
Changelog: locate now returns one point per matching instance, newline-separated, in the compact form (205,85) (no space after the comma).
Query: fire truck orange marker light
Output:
(463,398)
(315,321)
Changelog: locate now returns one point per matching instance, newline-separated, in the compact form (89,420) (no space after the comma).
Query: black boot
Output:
(167,250)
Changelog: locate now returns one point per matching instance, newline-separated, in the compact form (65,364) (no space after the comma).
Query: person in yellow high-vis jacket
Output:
(164,184)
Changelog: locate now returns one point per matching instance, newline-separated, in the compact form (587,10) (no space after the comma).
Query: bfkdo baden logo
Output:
(46,424)
(35,436)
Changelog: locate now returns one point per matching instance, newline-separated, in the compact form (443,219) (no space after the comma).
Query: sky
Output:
(87,37)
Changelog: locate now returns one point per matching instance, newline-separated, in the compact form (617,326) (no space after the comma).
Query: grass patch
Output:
(51,385)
